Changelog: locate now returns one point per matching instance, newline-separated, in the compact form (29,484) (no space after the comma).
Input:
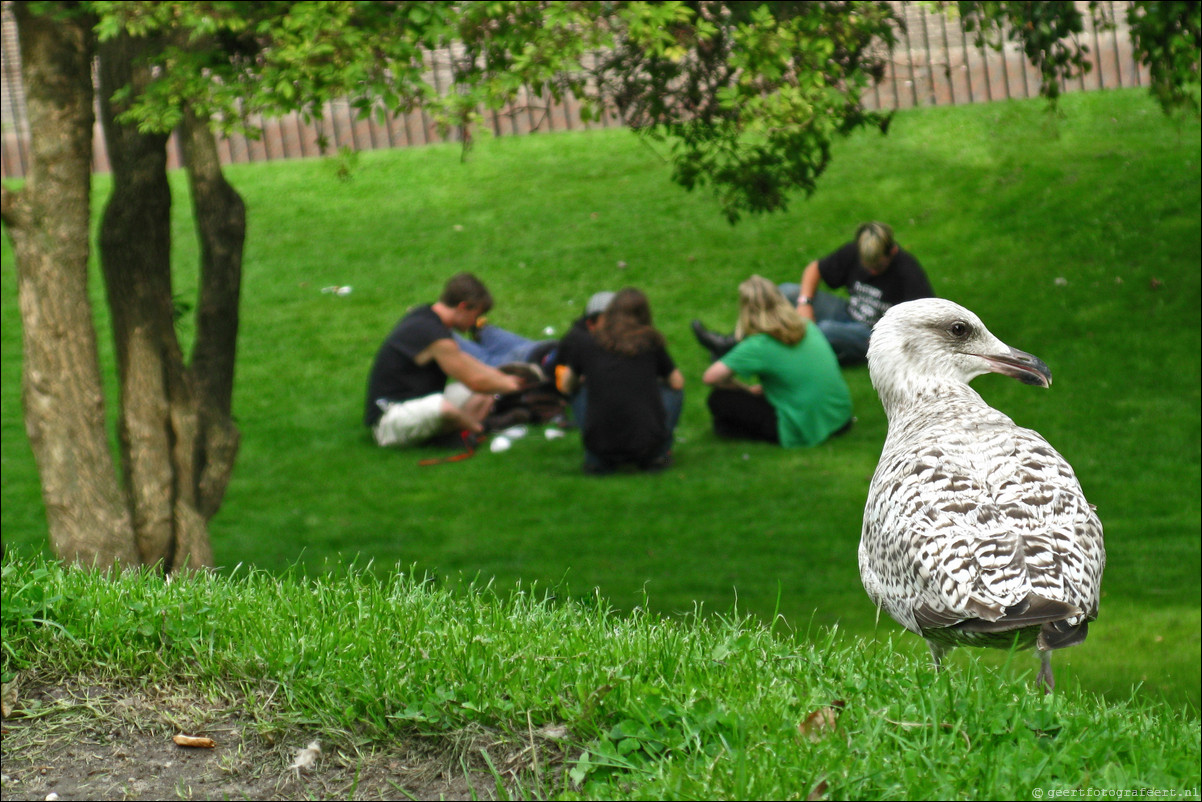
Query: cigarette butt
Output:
(194,741)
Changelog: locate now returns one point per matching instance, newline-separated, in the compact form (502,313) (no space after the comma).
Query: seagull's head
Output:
(920,345)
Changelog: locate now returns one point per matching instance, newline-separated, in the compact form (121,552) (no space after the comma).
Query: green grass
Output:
(715,707)
(1075,238)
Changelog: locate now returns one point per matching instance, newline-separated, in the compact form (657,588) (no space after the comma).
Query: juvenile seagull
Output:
(976,532)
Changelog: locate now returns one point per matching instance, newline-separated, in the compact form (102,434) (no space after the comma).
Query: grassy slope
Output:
(1000,203)
(645,707)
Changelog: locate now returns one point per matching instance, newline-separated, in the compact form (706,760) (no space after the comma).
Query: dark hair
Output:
(626,328)
(466,288)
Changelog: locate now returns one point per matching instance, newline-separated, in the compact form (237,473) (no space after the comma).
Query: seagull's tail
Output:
(1031,611)
(1060,635)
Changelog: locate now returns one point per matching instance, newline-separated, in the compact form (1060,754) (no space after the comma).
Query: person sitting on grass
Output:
(628,421)
(577,337)
(877,273)
(802,399)
(408,400)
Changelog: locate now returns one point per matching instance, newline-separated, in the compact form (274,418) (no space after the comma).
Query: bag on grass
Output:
(537,402)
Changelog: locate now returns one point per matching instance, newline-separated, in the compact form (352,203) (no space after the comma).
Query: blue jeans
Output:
(848,337)
(497,347)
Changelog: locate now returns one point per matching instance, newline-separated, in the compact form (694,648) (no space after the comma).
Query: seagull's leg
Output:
(937,652)
(1044,678)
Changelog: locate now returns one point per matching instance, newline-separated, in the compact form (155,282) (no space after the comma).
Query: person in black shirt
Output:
(579,336)
(877,273)
(408,400)
(623,365)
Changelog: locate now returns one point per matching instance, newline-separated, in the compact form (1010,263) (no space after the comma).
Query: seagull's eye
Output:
(959,329)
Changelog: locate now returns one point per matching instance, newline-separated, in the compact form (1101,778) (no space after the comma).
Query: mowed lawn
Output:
(1074,236)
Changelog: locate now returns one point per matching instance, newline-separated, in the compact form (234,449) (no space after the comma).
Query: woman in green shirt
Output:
(801,398)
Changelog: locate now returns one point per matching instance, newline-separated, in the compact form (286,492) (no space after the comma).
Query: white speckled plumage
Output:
(976,531)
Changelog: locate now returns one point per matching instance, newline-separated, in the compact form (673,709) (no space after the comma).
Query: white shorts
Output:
(407,423)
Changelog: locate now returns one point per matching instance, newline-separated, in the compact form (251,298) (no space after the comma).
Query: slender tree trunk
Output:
(49,221)
(158,422)
(221,223)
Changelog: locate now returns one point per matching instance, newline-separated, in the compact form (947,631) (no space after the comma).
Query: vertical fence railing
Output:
(935,62)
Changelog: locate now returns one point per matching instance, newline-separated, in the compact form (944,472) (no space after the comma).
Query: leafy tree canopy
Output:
(750,95)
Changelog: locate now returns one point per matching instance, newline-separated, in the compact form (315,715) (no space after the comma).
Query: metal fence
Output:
(934,63)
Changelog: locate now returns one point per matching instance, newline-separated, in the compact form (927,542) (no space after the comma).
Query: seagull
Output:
(976,531)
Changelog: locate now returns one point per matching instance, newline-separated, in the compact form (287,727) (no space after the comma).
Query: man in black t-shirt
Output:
(408,400)
(877,274)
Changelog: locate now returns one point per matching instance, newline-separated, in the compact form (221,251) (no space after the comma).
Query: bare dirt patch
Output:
(82,740)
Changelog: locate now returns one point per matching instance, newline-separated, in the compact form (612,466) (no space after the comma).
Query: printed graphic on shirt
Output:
(866,303)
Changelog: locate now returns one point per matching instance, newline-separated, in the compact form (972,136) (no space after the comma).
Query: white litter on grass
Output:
(305,758)
(553,434)
(337,290)
(515,432)
(499,444)
(549,331)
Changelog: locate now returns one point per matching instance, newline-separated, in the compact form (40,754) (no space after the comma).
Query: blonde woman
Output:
(800,398)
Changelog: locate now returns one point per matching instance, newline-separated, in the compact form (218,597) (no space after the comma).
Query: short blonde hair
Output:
(764,310)
(874,240)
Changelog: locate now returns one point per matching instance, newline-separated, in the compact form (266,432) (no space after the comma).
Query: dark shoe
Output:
(716,344)
(528,372)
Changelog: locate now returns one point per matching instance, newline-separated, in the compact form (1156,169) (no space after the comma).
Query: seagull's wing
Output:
(1038,492)
(939,551)
(979,525)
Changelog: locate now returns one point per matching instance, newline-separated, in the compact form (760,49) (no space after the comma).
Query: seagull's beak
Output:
(1020,365)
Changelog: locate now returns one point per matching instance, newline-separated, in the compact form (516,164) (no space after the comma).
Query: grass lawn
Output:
(1074,237)
(515,696)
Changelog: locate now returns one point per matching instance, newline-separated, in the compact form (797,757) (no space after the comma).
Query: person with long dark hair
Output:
(801,400)
(635,390)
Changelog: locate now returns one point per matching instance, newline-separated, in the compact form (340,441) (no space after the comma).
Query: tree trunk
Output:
(221,223)
(158,429)
(49,221)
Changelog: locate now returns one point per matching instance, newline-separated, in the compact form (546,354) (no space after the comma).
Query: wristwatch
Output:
(804,300)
